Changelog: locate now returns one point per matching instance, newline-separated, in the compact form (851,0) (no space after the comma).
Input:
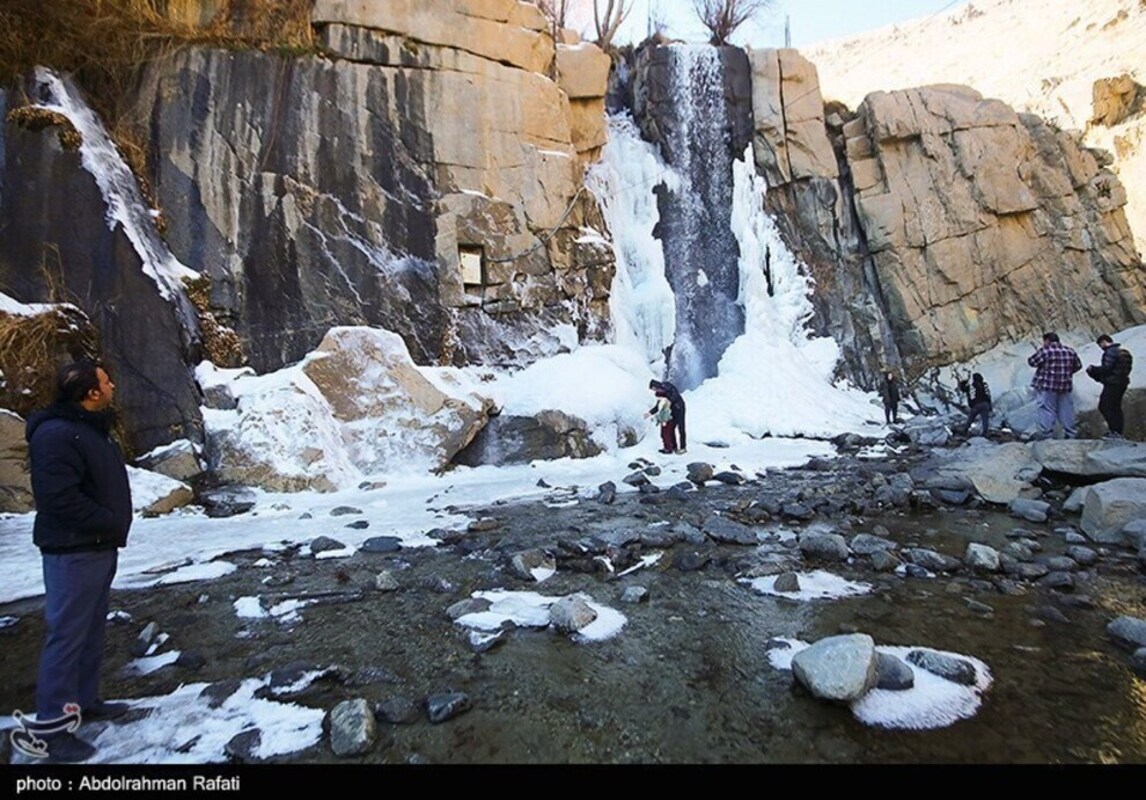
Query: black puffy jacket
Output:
(83,498)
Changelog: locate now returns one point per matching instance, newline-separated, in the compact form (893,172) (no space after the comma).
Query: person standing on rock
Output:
(1055,365)
(83,514)
(676,403)
(1114,375)
(978,402)
(889,391)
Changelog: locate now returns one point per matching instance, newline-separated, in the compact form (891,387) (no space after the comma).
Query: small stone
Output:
(397,711)
(446,706)
(352,728)
(145,639)
(381,544)
(787,582)
(358,524)
(188,659)
(471,605)
(243,746)
(483,524)
(634,594)
(325,544)
(385,581)
(342,511)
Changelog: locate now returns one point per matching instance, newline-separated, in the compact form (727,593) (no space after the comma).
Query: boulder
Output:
(840,668)
(1092,458)
(1109,506)
(15,482)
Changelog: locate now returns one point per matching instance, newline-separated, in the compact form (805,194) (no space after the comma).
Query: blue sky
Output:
(810,21)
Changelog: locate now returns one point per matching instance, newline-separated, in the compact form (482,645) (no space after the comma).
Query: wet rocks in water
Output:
(1138,662)
(839,668)
(1127,631)
(242,747)
(217,693)
(787,582)
(979,608)
(381,544)
(824,546)
(570,614)
(981,558)
(956,670)
(634,594)
(471,605)
(865,544)
(1082,555)
(690,560)
(352,728)
(324,544)
(447,705)
(147,637)
(730,478)
(397,711)
(1030,510)
(885,561)
(607,493)
(483,524)
(931,560)
(891,673)
(532,565)
(727,531)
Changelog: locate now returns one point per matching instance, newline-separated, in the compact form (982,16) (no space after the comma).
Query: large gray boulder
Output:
(840,668)
(1092,457)
(1109,506)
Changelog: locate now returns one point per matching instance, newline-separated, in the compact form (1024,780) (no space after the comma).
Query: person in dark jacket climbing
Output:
(676,402)
(83,514)
(978,402)
(1114,375)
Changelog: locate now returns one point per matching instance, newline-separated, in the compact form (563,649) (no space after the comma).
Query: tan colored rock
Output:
(492,29)
(984,222)
(390,409)
(193,13)
(791,140)
(1116,99)
(15,482)
(178,497)
(582,70)
(587,126)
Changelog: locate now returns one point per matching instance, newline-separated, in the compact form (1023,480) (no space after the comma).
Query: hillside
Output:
(1042,56)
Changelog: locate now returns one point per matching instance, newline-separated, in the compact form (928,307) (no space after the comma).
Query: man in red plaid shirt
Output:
(1055,364)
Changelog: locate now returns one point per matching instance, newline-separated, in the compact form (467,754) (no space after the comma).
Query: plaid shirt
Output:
(1054,364)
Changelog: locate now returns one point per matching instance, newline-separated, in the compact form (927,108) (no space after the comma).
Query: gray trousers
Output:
(77,592)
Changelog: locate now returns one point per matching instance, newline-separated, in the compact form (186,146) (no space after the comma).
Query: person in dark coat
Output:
(678,408)
(889,391)
(83,514)
(978,402)
(1114,375)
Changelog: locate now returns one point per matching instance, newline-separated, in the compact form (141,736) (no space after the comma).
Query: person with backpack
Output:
(978,402)
(676,404)
(1114,375)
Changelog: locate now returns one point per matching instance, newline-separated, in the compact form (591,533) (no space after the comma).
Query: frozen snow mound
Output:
(356,406)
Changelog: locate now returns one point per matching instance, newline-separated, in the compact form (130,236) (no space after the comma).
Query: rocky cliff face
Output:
(424,176)
(945,223)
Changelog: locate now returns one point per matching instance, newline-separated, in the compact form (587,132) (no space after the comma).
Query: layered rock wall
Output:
(946,224)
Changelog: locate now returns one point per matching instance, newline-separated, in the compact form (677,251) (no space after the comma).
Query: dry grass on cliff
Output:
(103,43)
(32,347)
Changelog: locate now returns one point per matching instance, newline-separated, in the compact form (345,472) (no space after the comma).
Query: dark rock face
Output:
(57,245)
(519,440)
(315,247)
(695,103)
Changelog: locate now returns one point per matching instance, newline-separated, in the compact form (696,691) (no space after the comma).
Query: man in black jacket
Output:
(1114,375)
(83,513)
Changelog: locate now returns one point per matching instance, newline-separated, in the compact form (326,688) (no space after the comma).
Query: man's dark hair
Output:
(1104,338)
(75,380)
(1050,336)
